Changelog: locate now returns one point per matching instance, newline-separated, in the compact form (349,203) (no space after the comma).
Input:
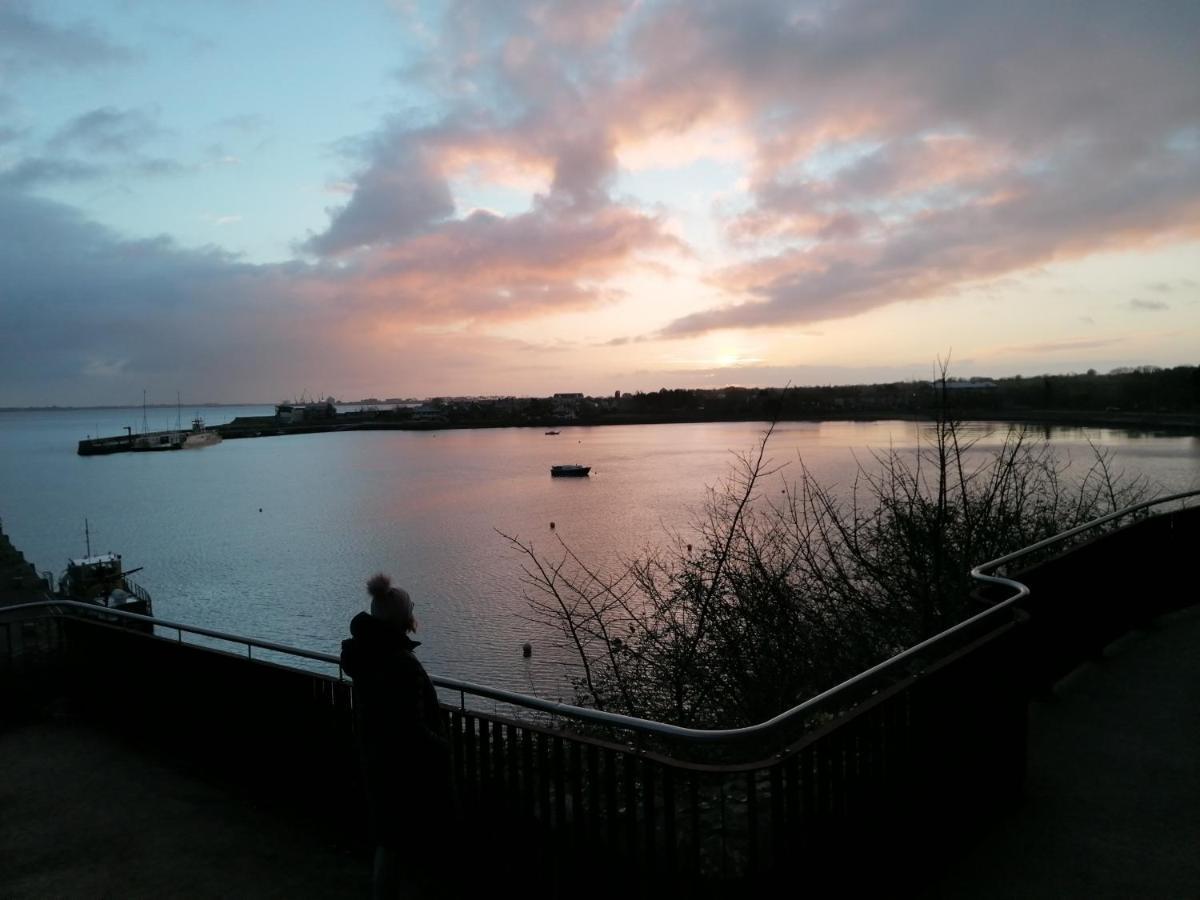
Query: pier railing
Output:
(893,765)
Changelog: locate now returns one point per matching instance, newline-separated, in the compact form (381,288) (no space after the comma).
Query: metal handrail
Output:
(665,729)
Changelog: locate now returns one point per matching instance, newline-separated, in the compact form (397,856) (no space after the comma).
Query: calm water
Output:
(423,506)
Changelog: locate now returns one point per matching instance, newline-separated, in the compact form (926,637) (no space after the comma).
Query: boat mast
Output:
(87,538)
(145,426)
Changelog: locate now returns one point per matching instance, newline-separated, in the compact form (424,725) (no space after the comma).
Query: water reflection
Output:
(427,507)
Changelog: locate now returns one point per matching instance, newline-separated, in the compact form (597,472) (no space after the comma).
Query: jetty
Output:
(1004,756)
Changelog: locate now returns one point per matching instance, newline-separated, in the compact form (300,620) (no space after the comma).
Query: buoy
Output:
(260,509)
(527,650)
(551,526)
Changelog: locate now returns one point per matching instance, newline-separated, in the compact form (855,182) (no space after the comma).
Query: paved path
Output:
(84,815)
(1112,805)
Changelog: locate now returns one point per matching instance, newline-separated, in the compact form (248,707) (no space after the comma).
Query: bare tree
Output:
(783,593)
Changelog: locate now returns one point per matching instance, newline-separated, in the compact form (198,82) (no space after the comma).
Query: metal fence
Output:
(864,784)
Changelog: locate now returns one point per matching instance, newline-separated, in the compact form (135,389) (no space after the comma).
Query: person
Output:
(402,740)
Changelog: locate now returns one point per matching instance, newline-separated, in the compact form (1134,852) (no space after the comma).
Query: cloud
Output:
(489,267)
(1148,305)
(148,312)
(1063,214)
(29,43)
(226,219)
(95,144)
(400,193)
(106,130)
(38,170)
(1166,287)
(1066,346)
(884,153)
(401,234)
(244,123)
(898,153)
(88,315)
(912,150)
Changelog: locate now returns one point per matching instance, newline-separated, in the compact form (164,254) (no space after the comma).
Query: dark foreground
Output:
(89,815)
(1111,807)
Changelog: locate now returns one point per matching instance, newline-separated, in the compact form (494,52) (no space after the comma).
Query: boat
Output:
(553,432)
(102,581)
(573,470)
(200,436)
(158,440)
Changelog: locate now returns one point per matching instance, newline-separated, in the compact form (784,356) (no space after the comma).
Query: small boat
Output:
(569,471)
(200,436)
(157,440)
(553,432)
(101,580)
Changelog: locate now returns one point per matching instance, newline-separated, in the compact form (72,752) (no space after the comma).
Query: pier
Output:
(931,773)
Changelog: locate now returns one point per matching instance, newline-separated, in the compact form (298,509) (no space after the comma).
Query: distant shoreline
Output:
(1172,423)
(1181,424)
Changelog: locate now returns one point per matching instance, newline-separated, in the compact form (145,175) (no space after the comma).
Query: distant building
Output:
(429,412)
(566,406)
(293,413)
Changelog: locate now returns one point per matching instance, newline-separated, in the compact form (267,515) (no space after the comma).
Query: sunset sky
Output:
(244,200)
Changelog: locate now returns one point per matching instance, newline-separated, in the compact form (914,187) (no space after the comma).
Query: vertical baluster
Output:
(578,816)
(543,776)
(512,798)
(592,831)
(810,799)
(560,784)
(724,832)
(471,784)
(610,799)
(778,828)
(630,822)
(485,763)
(791,769)
(697,836)
(649,816)
(670,830)
(753,860)
(527,773)
(496,775)
(456,751)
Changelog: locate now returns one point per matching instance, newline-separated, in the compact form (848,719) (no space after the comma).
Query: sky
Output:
(250,200)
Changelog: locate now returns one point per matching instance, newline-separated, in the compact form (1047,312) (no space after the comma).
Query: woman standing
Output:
(402,740)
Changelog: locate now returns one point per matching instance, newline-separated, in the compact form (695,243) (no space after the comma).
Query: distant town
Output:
(1146,396)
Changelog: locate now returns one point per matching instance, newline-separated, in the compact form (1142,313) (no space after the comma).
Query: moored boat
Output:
(102,580)
(157,440)
(200,436)
(573,470)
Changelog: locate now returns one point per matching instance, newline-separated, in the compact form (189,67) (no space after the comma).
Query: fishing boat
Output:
(200,436)
(157,440)
(553,432)
(102,580)
(573,470)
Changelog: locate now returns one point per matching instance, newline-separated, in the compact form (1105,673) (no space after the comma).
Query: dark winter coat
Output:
(401,735)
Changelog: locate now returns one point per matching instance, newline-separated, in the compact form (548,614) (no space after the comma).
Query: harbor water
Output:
(274,537)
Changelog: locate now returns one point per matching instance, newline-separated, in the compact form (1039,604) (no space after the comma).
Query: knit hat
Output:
(392,604)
